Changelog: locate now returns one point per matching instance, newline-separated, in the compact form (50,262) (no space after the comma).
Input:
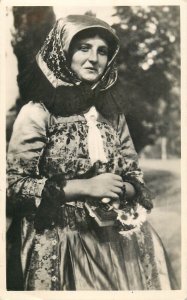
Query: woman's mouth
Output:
(91,69)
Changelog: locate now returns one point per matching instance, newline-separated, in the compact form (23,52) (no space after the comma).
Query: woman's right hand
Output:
(105,185)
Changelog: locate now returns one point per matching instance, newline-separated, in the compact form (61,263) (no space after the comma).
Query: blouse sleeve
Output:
(131,170)
(25,184)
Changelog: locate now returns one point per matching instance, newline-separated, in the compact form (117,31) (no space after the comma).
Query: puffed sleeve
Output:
(29,137)
(131,170)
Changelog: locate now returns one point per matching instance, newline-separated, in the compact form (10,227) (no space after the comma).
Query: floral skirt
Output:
(83,256)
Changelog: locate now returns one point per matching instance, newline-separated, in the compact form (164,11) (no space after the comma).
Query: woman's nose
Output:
(93,56)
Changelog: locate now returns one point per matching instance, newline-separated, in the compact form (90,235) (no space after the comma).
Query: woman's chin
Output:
(90,80)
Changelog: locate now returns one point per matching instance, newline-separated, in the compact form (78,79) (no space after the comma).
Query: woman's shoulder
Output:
(33,113)
(29,129)
(34,107)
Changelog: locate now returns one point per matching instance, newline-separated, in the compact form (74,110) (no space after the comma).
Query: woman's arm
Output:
(26,186)
(104,185)
(132,174)
(28,140)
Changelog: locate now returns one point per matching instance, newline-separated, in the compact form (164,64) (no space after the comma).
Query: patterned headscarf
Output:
(50,79)
(52,58)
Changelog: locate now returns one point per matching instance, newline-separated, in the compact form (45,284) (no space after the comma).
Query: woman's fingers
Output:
(118,184)
(116,190)
(117,177)
(113,195)
(117,180)
(104,184)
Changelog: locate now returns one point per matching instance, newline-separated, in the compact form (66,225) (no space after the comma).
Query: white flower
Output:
(54,257)
(129,219)
(54,278)
(54,242)
(128,233)
(37,247)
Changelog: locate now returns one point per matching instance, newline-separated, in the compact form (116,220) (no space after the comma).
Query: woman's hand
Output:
(105,185)
(102,186)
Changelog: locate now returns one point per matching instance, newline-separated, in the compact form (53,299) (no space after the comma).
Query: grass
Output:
(163,178)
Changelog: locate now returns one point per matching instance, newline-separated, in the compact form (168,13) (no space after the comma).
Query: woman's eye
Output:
(103,52)
(84,48)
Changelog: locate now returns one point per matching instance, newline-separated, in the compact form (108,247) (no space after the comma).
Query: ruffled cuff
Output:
(53,197)
(143,195)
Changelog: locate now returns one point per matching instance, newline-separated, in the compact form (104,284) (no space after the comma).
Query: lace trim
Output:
(134,175)
(147,258)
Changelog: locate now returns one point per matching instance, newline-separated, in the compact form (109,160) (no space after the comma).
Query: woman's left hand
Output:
(130,193)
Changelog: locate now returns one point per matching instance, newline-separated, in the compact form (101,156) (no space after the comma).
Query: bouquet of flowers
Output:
(128,218)
(132,212)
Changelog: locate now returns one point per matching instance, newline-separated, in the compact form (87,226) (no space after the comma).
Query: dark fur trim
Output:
(70,100)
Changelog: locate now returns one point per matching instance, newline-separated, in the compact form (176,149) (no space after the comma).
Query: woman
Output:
(72,169)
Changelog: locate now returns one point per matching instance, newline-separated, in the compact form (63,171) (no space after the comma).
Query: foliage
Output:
(32,24)
(149,63)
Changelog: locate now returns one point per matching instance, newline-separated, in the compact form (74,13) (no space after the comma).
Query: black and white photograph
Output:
(92,146)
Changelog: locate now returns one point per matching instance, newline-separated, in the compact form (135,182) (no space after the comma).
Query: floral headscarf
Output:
(52,81)
(52,58)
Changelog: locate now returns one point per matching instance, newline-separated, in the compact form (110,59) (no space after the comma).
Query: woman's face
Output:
(89,59)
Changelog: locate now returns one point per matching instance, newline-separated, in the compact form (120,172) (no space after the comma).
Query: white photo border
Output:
(128,295)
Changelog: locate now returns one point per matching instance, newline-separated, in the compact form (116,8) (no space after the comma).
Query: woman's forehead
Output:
(95,40)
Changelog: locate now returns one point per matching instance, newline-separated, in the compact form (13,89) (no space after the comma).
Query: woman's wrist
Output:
(129,190)
(83,187)
(76,188)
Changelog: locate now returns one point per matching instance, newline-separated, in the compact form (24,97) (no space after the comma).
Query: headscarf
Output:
(51,80)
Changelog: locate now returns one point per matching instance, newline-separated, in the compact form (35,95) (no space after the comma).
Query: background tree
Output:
(149,63)
(31,25)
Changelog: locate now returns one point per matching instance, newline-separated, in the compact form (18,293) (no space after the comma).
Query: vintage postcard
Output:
(93,150)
